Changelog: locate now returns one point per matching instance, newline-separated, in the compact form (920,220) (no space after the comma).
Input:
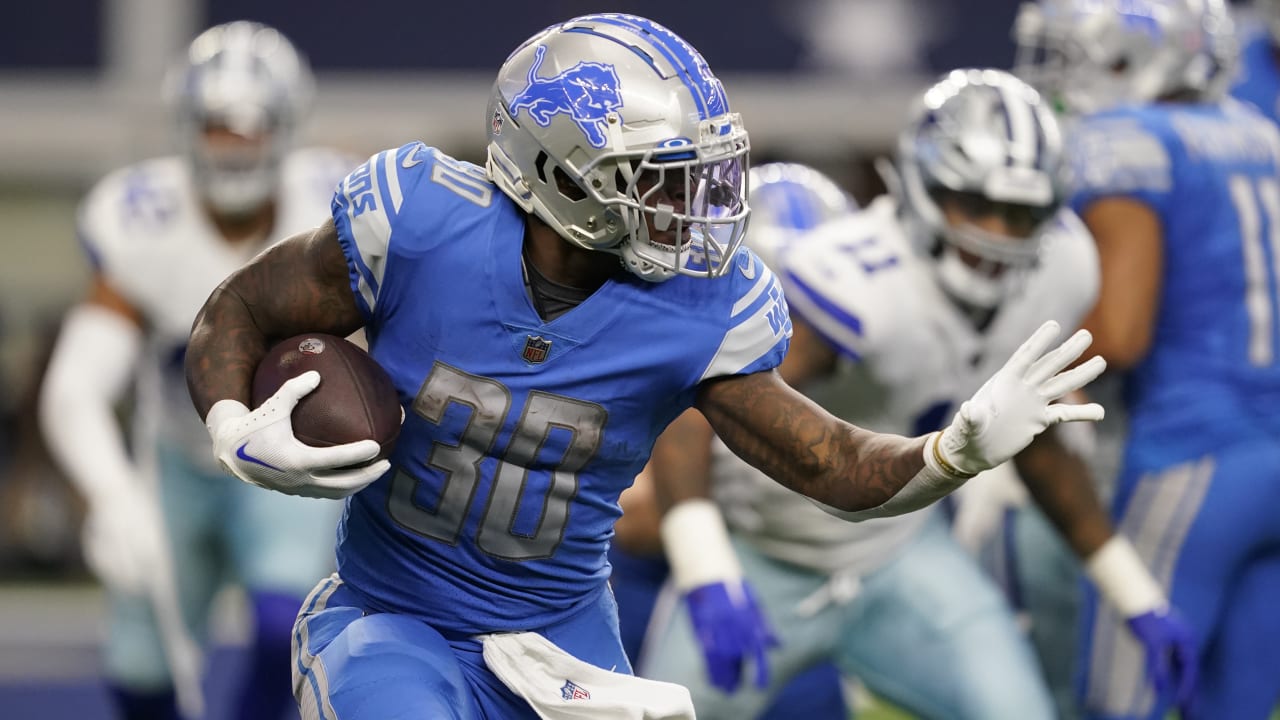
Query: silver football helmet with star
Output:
(984,141)
(246,79)
(612,130)
(1088,55)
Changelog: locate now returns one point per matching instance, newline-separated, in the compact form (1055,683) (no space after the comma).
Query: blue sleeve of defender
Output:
(1120,156)
(365,208)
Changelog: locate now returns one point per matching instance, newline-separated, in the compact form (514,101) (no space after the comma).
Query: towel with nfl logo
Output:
(562,687)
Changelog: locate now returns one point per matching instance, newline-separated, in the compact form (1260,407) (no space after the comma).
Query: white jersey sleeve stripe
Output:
(752,334)
(762,284)
(364,203)
(391,175)
(370,225)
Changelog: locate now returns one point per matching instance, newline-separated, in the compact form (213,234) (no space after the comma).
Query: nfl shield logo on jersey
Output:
(535,349)
(572,691)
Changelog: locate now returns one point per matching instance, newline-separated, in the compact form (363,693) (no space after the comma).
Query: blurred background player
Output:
(161,235)
(900,311)
(787,199)
(1180,190)
(1257,79)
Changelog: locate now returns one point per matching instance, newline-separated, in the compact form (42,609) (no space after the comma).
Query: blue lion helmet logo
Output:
(586,92)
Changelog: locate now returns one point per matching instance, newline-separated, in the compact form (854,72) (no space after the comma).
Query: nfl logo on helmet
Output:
(573,691)
(535,349)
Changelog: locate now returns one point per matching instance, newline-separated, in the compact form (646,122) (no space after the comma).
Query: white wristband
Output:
(935,459)
(1123,578)
(697,545)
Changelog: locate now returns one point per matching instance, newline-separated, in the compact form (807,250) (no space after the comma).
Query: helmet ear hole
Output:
(567,187)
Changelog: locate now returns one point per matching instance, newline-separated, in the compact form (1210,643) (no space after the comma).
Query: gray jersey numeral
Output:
(490,402)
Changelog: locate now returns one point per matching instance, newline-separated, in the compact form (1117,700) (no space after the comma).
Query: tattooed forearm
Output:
(802,446)
(299,285)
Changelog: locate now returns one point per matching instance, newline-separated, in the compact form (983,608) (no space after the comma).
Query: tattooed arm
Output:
(796,442)
(299,285)
(859,474)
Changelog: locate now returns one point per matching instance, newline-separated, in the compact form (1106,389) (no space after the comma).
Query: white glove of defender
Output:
(259,447)
(1016,403)
(122,535)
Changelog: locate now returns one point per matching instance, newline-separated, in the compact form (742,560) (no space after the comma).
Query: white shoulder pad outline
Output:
(106,213)
(758,322)
(1118,155)
(842,278)
(365,207)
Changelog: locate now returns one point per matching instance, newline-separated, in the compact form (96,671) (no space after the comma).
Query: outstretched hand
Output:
(1017,402)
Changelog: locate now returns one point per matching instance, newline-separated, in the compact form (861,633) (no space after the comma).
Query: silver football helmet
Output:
(1088,55)
(245,79)
(613,131)
(982,141)
(787,200)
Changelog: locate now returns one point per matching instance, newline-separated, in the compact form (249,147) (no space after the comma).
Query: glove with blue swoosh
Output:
(259,447)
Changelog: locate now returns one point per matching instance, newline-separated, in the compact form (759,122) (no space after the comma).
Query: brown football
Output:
(356,399)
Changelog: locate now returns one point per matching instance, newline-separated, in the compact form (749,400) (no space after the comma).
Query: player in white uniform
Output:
(900,312)
(166,526)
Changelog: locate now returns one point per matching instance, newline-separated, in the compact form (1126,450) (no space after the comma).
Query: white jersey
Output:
(909,357)
(149,237)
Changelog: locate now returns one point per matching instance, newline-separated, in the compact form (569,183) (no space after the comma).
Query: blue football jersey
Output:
(519,433)
(1212,175)
(1258,82)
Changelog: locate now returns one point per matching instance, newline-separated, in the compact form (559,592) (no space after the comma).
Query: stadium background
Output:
(819,81)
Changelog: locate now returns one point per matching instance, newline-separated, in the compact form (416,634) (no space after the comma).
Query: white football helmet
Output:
(1088,55)
(787,200)
(248,79)
(608,124)
(986,141)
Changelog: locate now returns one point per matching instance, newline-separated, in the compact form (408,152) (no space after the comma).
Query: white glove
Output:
(122,537)
(1016,403)
(259,447)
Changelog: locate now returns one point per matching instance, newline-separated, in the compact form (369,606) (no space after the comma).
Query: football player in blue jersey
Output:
(1257,80)
(166,527)
(1179,188)
(787,200)
(544,319)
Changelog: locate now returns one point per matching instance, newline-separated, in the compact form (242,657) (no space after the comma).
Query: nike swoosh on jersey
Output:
(240,453)
(749,270)
(413,158)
